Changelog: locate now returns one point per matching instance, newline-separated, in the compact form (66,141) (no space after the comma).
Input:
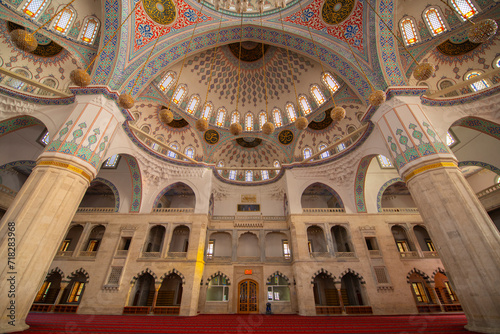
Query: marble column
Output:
(36,222)
(467,241)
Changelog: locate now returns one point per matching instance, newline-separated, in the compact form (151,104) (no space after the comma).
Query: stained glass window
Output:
(33,8)
(265,175)
(192,104)
(277,118)
(63,20)
(220,164)
(465,8)
(478,85)
(341,147)
(249,176)
(330,82)
(16,83)
(292,116)
(232,175)
(221,116)
(172,154)
(434,21)
(112,161)
(179,95)
(318,96)
(262,118)
(449,139)
(307,153)
(277,164)
(408,31)
(249,122)
(305,105)
(90,28)
(46,139)
(325,154)
(190,152)
(167,81)
(206,111)
(235,117)
(384,161)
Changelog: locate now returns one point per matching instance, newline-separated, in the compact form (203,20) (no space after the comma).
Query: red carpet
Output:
(277,324)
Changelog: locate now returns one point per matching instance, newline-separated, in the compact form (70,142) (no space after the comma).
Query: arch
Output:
(77,272)
(349,271)
(221,244)
(404,245)
(48,292)
(330,82)
(249,122)
(113,189)
(423,238)
(478,85)
(438,270)
(304,105)
(360,182)
(171,187)
(167,81)
(280,274)
(418,272)
(248,245)
(179,243)
(480,164)
(235,117)
(176,272)
(408,30)
(278,120)
(95,238)
(17,123)
(221,117)
(433,18)
(63,21)
(479,124)
(73,293)
(207,110)
(55,270)
(325,291)
(143,290)
(193,103)
(170,291)
(341,239)
(335,201)
(274,245)
(291,113)
(317,95)
(465,8)
(351,290)
(154,241)
(71,239)
(218,274)
(383,188)
(33,8)
(316,240)
(91,25)
(145,271)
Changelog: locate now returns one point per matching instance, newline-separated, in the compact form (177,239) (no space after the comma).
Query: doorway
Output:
(248,301)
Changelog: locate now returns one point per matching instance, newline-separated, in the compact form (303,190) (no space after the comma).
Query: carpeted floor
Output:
(248,324)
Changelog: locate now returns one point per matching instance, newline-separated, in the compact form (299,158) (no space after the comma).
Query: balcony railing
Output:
(488,191)
(64,254)
(248,258)
(281,259)
(408,255)
(430,254)
(151,254)
(375,253)
(400,210)
(7,190)
(177,254)
(219,259)
(173,210)
(345,254)
(95,210)
(87,254)
(121,253)
(319,254)
(323,210)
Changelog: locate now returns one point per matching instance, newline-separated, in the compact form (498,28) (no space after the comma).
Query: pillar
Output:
(36,222)
(467,241)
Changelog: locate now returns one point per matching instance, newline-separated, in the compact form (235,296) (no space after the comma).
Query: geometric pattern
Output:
(16,123)
(478,124)
(359,183)
(383,188)
(113,189)
(135,174)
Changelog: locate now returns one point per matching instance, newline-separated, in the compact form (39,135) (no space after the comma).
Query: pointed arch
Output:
(113,189)
(145,271)
(383,188)
(354,273)
(437,271)
(173,271)
(78,272)
(135,175)
(322,271)
(218,274)
(280,274)
(419,272)
(55,270)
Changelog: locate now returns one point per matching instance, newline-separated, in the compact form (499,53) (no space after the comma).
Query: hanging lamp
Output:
(422,71)
(337,113)
(235,128)
(25,40)
(268,127)
(81,77)
(377,97)
(301,122)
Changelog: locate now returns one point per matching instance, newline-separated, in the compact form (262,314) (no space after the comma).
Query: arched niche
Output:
(101,194)
(143,291)
(395,195)
(319,195)
(248,246)
(177,195)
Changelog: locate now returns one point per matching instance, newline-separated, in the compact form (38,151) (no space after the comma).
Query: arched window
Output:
(450,140)
(33,8)
(434,21)
(52,83)
(90,28)
(179,95)
(95,238)
(277,289)
(218,289)
(265,175)
(221,116)
(190,152)
(341,146)
(307,153)
(192,104)
(496,62)
(220,164)
(112,162)
(478,85)
(277,164)
(63,21)
(384,161)
(249,176)
(318,96)
(305,105)
(292,116)
(145,129)
(330,82)
(154,241)
(166,82)
(262,119)
(207,110)
(465,8)
(235,117)
(172,154)
(277,118)
(249,122)
(408,31)
(16,83)
(325,154)
(232,175)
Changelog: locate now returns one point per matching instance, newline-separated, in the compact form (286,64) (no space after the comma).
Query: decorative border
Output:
(480,164)
(359,183)
(145,271)
(35,99)
(135,174)
(393,92)
(429,167)
(24,163)
(383,188)
(464,99)
(66,166)
(166,189)
(17,123)
(479,124)
(218,274)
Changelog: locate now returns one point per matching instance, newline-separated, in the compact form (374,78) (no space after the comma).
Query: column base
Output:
(19,327)
(482,329)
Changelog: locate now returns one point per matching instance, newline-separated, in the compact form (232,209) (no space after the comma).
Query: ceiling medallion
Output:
(211,137)
(321,124)
(336,11)
(285,137)
(160,11)
(250,51)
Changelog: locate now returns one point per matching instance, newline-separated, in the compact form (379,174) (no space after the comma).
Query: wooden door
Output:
(248,301)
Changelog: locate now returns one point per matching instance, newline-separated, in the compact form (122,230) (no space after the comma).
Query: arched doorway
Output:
(248,301)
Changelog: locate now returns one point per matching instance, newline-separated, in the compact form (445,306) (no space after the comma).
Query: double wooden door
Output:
(248,301)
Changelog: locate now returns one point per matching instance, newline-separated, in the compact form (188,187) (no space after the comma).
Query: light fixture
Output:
(166,116)
(482,31)
(25,40)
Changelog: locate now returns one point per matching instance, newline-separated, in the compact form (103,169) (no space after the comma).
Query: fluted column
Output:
(33,227)
(467,241)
